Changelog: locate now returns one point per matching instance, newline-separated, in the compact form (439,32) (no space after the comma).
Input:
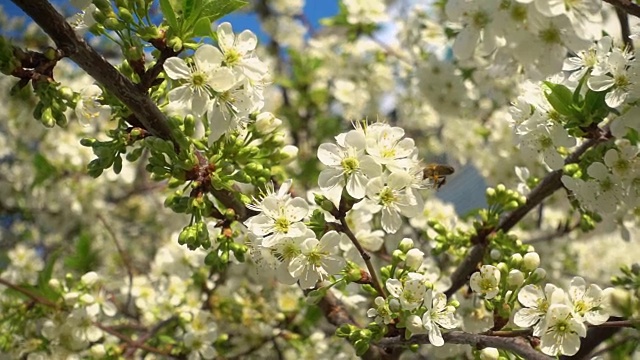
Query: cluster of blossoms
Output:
(556,316)
(377,164)
(282,241)
(225,83)
(415,299)
(607,186)
(535,34)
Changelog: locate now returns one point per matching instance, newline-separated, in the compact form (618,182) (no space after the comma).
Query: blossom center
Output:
(350,164)
(550,36)
(281,225)
(232,58)
(387,197)
(480,19)
(198,79)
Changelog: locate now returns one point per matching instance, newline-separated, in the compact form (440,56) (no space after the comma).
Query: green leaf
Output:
(44,170)
(45,275)
(215,9)
(188,7)
(202,28)
(85,258)
(560,98)
(169,14)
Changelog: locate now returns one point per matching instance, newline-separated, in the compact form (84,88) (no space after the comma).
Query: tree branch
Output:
(375,282)
(629,6)
(518,345)
(336,314)
(545,188)
(65,38)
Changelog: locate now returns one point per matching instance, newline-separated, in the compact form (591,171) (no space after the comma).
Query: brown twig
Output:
(130,342)
(126,260)
(136,344)
(625,30)
(71,45)
(365,256)
(518,345)
(627,5)
(30,294)
(550,184)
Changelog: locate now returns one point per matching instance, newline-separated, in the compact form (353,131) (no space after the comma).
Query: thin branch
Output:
(65,38)
(550,184)
(365,256)
(629,6)
(148,335)
(336,314)
(625,30)
(125,258)
(517,345)
(130,342)
(28,293)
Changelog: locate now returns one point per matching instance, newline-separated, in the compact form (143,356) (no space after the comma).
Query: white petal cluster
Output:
(224,82)
(532,33)
(426,309)
(559,317)
(374,161)
(281,240)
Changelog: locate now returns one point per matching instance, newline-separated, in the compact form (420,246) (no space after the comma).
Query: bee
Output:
(436,174)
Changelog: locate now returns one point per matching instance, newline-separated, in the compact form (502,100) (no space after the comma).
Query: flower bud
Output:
(515,278)
(405,245)
(489,353)
(89,278)
(530,261)
(394,305)
(516,260)
(266,122)
(539,274)
(414,324)
(414,259)
(495,254)
(289,152)
(397,256)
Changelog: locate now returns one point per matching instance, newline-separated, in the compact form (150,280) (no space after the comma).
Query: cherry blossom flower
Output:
(588,302)
(391,195)
(615,79)
(280,216)
(562,332)
(486,282)
(237,52)
(381,311)
(535,304)
(348,165)
(317,260)
(203,77)
(88,109)
(438,315)
(410,292)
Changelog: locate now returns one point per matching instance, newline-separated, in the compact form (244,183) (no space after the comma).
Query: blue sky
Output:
(314,10)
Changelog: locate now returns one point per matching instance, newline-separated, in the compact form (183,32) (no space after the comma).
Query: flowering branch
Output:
(130,342)
(142,339)
(365,256)
(65,38)
(30,294)
(517,345)
(550,184)
(336,314)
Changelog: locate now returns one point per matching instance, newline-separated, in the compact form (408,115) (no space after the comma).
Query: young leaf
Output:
(560,98)
(215,9)
(44,169)
(169,14)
